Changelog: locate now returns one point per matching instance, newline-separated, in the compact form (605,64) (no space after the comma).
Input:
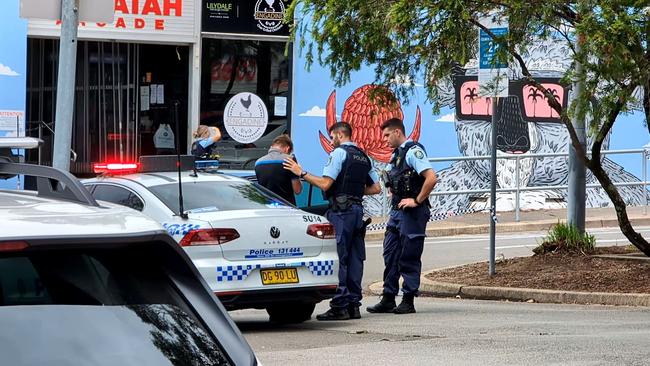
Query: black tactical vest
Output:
(404,181)
(351,181)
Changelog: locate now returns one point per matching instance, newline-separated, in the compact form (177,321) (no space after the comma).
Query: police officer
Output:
(347,177)
(410,180)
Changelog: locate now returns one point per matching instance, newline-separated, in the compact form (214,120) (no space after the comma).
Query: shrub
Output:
(565,238)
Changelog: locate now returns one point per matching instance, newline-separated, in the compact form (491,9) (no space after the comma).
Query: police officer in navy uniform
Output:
(410,180)
(347,177)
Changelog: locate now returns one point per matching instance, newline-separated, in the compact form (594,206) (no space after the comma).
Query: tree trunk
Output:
(619,205)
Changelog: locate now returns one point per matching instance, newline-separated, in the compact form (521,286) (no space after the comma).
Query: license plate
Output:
(279,276)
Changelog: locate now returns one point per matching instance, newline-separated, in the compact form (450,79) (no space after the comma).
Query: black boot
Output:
(406,306)
(354,312)
(334,314)
(386,305)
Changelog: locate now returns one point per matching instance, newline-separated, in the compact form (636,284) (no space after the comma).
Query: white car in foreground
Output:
(253,249)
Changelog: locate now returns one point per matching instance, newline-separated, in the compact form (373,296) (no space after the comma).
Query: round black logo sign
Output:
(269,15)
(275,232)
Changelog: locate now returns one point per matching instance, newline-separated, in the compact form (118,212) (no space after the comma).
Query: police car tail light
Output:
(209,237)
(321,231)
(13,246)
(115,168)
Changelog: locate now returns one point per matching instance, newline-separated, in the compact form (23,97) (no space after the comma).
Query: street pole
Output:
(577,183)
(65,87)
(493,187)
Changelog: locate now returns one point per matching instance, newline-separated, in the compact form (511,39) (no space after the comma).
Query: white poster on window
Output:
(280,106)
(160,94)
(144,98)
(153,93)
(12,123)
(245,117)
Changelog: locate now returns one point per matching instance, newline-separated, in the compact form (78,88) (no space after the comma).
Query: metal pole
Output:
(644,168)
(493,187)
(577,184)
(65,84)
(517,191)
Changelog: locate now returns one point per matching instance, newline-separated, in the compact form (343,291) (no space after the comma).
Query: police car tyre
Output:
(290,313)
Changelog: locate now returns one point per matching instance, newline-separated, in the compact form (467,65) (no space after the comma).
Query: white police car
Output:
(83,283)
(253,249)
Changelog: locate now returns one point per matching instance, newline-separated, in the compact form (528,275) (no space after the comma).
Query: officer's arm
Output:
(297,186)
(372,189)
(324,183)
(372,183)
(430,180)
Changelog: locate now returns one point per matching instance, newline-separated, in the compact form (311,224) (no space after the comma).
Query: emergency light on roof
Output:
(165,163)
(115,168)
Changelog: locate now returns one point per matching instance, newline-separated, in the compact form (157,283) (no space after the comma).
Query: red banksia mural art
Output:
(366,116)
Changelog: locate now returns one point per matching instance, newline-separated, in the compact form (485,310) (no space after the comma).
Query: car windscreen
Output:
(97,307)
(207,196)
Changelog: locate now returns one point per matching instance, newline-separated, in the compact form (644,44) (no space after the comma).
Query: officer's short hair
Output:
(394,123)
(343,127)
(283,140)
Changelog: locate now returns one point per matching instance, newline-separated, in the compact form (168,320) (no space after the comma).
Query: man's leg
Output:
(392,250)
(339,304)
(410,262)
(356,256)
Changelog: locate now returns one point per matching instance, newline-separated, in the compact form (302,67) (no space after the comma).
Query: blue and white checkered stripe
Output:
(240,273)
(321,268)
(234,273)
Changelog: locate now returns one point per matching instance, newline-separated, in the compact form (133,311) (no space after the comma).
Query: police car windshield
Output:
(217,196)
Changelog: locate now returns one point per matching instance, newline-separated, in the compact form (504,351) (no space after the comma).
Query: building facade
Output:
(157,55)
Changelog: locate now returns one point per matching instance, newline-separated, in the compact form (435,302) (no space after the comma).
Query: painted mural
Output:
(525,124)
(13,64)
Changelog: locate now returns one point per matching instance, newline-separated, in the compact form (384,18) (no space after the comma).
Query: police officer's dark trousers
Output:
(351,248)
(403,245)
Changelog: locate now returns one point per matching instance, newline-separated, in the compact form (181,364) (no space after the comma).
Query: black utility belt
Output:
(342,203)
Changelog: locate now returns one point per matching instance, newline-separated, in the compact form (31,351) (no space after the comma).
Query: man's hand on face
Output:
(291,165)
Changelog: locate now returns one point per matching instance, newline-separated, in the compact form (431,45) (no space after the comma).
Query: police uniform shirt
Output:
(416,158)
(272,175)
(335,164)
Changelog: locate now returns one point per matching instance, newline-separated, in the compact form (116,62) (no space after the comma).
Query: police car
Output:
(254,249)
(83,283)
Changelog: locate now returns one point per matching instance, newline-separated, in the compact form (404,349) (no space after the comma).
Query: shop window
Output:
(236,66)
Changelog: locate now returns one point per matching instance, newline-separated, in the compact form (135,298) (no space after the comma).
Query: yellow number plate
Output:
(279,276)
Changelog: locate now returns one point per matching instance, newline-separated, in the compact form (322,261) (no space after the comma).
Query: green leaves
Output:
(419,37)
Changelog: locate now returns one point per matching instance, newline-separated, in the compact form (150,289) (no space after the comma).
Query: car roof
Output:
(24,215)
(159,178)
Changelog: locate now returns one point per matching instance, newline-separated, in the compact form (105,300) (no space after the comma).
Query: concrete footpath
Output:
(477,223)
(540,220)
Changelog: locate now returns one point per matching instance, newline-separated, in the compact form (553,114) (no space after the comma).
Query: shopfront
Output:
(129,77)
(245,70)
(130,73)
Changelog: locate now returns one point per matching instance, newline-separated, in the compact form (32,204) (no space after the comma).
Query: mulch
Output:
(559,271)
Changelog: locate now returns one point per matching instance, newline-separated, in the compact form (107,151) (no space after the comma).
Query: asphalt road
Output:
(461,332)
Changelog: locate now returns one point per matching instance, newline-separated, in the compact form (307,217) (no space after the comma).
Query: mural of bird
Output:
(246,102)
(366,117)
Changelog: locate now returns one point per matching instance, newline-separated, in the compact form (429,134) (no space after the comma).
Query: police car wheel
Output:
(290,313)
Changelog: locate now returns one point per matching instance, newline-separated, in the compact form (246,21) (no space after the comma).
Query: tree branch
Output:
(552,102)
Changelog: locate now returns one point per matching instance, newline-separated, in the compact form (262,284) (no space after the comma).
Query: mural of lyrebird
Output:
(525,125)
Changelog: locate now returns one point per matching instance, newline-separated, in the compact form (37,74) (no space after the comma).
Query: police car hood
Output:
(23,215)
(267,233)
